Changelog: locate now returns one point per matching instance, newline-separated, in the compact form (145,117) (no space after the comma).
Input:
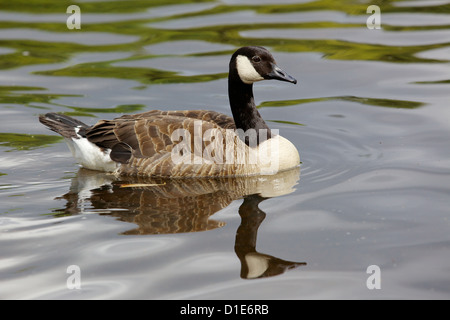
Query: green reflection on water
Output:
(32,52)
(143,75)
(348,6)
(434,82)
(90,112)
(20,141)
(15,95)
(287,122)
(389,103)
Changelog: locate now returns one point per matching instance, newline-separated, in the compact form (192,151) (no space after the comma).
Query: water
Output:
(369,115)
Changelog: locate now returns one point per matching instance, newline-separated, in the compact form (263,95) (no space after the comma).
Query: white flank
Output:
(246,71)
(90,156)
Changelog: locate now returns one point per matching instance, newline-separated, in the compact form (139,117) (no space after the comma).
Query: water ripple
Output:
(135,248)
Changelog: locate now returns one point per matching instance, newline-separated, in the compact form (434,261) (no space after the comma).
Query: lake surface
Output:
(370,117)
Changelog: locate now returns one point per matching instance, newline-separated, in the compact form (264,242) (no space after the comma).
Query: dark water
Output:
(370,117)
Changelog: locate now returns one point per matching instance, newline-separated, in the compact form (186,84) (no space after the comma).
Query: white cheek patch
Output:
(246,71)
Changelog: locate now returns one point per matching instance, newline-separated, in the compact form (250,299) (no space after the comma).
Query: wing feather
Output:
(145,141)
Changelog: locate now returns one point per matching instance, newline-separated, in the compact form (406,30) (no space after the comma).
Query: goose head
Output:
(252,64)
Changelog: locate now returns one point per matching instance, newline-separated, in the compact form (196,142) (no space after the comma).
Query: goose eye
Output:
(256,59)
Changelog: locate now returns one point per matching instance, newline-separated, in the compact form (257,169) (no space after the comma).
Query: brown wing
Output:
(104,133)
(143,142)
(220,119)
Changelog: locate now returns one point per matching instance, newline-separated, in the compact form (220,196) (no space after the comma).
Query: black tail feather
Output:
(64,125)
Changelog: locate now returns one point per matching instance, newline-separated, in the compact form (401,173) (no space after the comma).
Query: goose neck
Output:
(245,113)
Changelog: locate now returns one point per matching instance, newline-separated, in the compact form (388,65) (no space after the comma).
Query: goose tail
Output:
(88,154)
(66,126)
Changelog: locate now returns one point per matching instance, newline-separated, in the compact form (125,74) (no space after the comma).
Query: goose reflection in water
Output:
(167,206)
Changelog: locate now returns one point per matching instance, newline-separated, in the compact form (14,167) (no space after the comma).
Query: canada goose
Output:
(194,143)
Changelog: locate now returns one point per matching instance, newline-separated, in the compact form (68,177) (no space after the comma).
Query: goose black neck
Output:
(243,107)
